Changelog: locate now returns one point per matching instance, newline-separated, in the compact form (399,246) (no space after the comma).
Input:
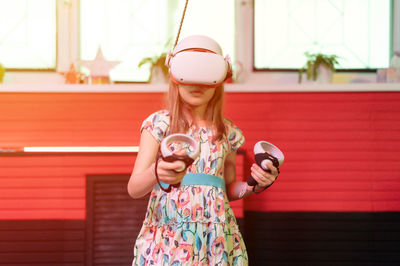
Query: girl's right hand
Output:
(167,174)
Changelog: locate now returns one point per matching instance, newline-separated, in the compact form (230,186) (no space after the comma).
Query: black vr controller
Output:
(266,152)
(186,160)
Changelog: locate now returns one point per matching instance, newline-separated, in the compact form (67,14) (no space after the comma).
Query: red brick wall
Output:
(341,149)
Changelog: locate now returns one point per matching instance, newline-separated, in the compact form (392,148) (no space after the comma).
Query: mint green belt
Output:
(200,179)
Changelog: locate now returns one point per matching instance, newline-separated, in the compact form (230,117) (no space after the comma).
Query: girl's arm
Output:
(143,179)
(233,187)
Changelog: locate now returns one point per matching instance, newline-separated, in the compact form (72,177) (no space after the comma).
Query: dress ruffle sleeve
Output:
(234,135)
(157,124)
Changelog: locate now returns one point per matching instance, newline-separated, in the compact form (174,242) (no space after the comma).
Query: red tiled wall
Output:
(341,149)
(52,187)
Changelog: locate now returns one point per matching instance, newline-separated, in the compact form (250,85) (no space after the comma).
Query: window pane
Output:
(28,34)
(128,31)
(358,31)
(217,22)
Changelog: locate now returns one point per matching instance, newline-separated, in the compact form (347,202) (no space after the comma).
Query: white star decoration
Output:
(99,67)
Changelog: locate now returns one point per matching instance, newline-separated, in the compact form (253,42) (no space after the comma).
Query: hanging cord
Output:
(176,42)
(180,26)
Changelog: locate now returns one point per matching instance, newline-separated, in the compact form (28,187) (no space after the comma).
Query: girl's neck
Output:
(197,115)
(199,112)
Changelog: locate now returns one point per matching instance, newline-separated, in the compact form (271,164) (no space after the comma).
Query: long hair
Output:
(180,112)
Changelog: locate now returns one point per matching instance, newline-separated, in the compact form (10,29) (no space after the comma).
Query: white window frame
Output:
(68,33)
(68,47)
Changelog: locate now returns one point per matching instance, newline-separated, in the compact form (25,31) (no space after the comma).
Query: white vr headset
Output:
(198,60)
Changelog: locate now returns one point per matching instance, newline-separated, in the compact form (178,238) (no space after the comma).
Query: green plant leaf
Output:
(2,72)
(145,60)
(314,60)
(301,70)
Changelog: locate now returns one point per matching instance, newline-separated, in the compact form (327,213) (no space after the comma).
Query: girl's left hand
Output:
(264,178)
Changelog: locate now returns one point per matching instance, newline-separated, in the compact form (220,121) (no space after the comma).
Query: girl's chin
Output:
(195,103)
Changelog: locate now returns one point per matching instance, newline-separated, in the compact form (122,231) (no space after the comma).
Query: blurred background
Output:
(319,79)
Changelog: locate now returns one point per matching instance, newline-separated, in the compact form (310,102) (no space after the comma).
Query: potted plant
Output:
(159,72)
(319,67)
(158,69)
(2,71)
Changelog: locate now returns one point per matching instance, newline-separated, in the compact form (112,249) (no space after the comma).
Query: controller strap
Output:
(168,189)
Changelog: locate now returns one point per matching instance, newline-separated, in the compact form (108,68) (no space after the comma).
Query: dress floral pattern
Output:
(193,224)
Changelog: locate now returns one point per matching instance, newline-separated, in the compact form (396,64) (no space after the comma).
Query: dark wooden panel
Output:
(323,238)
(113,220)
(42,242)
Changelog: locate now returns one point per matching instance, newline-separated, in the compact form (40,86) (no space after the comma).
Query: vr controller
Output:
(181,148)
(265,152)
(198,60)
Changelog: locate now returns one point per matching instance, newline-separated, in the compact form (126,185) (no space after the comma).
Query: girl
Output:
(192,224)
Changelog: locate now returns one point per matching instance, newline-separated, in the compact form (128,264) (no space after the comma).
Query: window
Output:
(128,31)
(28,34)
(358,31)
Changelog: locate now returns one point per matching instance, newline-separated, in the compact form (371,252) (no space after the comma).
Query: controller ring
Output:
(165,152)
(168,156)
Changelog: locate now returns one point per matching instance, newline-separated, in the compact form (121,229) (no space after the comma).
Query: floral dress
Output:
(193,224)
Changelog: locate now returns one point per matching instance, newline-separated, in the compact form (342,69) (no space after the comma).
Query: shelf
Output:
(240,88)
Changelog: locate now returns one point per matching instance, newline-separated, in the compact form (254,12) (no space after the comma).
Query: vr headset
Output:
(198,60)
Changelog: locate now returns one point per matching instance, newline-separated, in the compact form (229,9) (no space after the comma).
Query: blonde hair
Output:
(180,112)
